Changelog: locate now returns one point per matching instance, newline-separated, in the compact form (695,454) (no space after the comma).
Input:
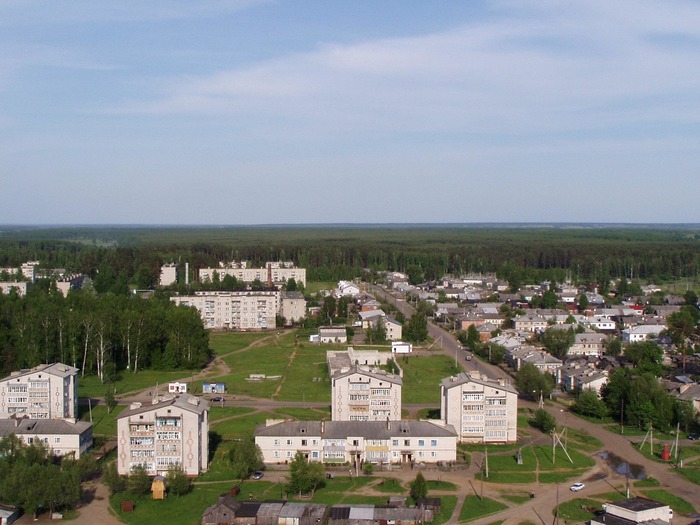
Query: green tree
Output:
(582,302)
(177,481)
(419,487)
(557,341)
(139,483)
(305,477)
(473,338)
(244,457)
(417,328)
(589,404)
(647,356)
(533,383)
(114,482)
(544,421)
(613,347)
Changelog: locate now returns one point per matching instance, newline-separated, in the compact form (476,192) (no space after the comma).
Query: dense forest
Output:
(118,257)
(98,333)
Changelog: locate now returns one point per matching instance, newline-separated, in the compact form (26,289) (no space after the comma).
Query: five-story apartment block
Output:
(42,392)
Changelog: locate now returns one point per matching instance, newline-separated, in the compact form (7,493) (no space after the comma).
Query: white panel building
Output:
(172,431)
(482,410)
(244,310)
(61,437)
(42,392)
(358,394)
(357,442)
(279,272)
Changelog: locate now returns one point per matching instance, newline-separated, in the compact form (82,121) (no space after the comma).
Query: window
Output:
(395,442)
(421,442)
(56,440)
(314,454)
(303,442)
(406,442)
(433,442)
(277,442)
(277,453)
(289,442)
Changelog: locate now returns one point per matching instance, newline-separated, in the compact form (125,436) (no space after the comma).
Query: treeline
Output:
(99,333)
(121,257)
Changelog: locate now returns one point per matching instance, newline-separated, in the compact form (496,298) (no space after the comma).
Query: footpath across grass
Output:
(475,507)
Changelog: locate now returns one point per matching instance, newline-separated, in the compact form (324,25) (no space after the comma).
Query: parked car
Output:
(577,486)
(693,436)
(217,399)
(258,474)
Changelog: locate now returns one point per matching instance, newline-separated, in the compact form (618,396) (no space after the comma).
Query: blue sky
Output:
(274,112)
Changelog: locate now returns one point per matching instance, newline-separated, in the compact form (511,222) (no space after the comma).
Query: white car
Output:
(577,486)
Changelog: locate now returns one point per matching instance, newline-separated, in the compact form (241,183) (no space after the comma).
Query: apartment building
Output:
(275,272)
(61,437)
(20,287)
(244,310)
(293,307)
(172,431)
(355,442)
(42,392)
(482,410)
(359,394)
(168,274)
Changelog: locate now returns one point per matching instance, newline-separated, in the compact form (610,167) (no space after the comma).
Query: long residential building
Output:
(239,310)
(355,442)
(173,431)
(42,392)
(360,394)
(274,272)
(61,437)
(482,410)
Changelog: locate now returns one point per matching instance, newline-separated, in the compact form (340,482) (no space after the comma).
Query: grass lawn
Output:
(217,413)
(241,426)
(648,482)
(691,474)
(127,382)
(422,377)
(474,508)
(104,424)
(560,476)
(434,484)
(678,505)
(448,504)
(515,497)
(390,485)
(226,342)
(544,455)
(579,509)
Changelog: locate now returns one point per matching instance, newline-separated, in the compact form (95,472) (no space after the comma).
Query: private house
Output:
(370,318)
(246,310)
(482,410)
(356,442)
(346,289)
(174,430)
(600,324)
(543,361)
(588,343)
(642,332)
(42,392)
(582,375)
(359,394)
(61,436)
(223,512)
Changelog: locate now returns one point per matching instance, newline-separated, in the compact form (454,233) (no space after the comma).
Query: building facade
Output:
(42,392)
(358,442)
(245,310)
(481,410)
(274,272)
(171,432)
(359,394)
(61,437)
(293,307)
(168,274)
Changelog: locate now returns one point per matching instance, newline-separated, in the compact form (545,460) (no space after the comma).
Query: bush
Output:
(544,421)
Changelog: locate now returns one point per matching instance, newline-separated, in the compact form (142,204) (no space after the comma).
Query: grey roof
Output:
(365,429)
(302,510)
(179,400)
(41,427)
(462,378)
(380,375)
(56,369)
(638,504)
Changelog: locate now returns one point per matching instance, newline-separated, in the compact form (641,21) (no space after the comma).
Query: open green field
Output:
(129,383)
(422,376)
(475,507)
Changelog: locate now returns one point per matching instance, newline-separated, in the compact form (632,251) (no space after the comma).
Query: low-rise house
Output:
(588,343)
(356,443)
(223,512)
(370,318)
(332,334)
(347,289)
(582,375)
(530,322)
(61,437)
(543,361)
(642,332)
(8,514)
(600,324)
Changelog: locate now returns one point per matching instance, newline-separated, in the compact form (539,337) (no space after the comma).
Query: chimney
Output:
(501,381)
(269,275)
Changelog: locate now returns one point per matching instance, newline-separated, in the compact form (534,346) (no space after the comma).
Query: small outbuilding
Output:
(158,487)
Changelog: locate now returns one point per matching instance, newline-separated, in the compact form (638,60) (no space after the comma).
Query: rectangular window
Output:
(406,442)
(421,442)
(433,442)
(395,442)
